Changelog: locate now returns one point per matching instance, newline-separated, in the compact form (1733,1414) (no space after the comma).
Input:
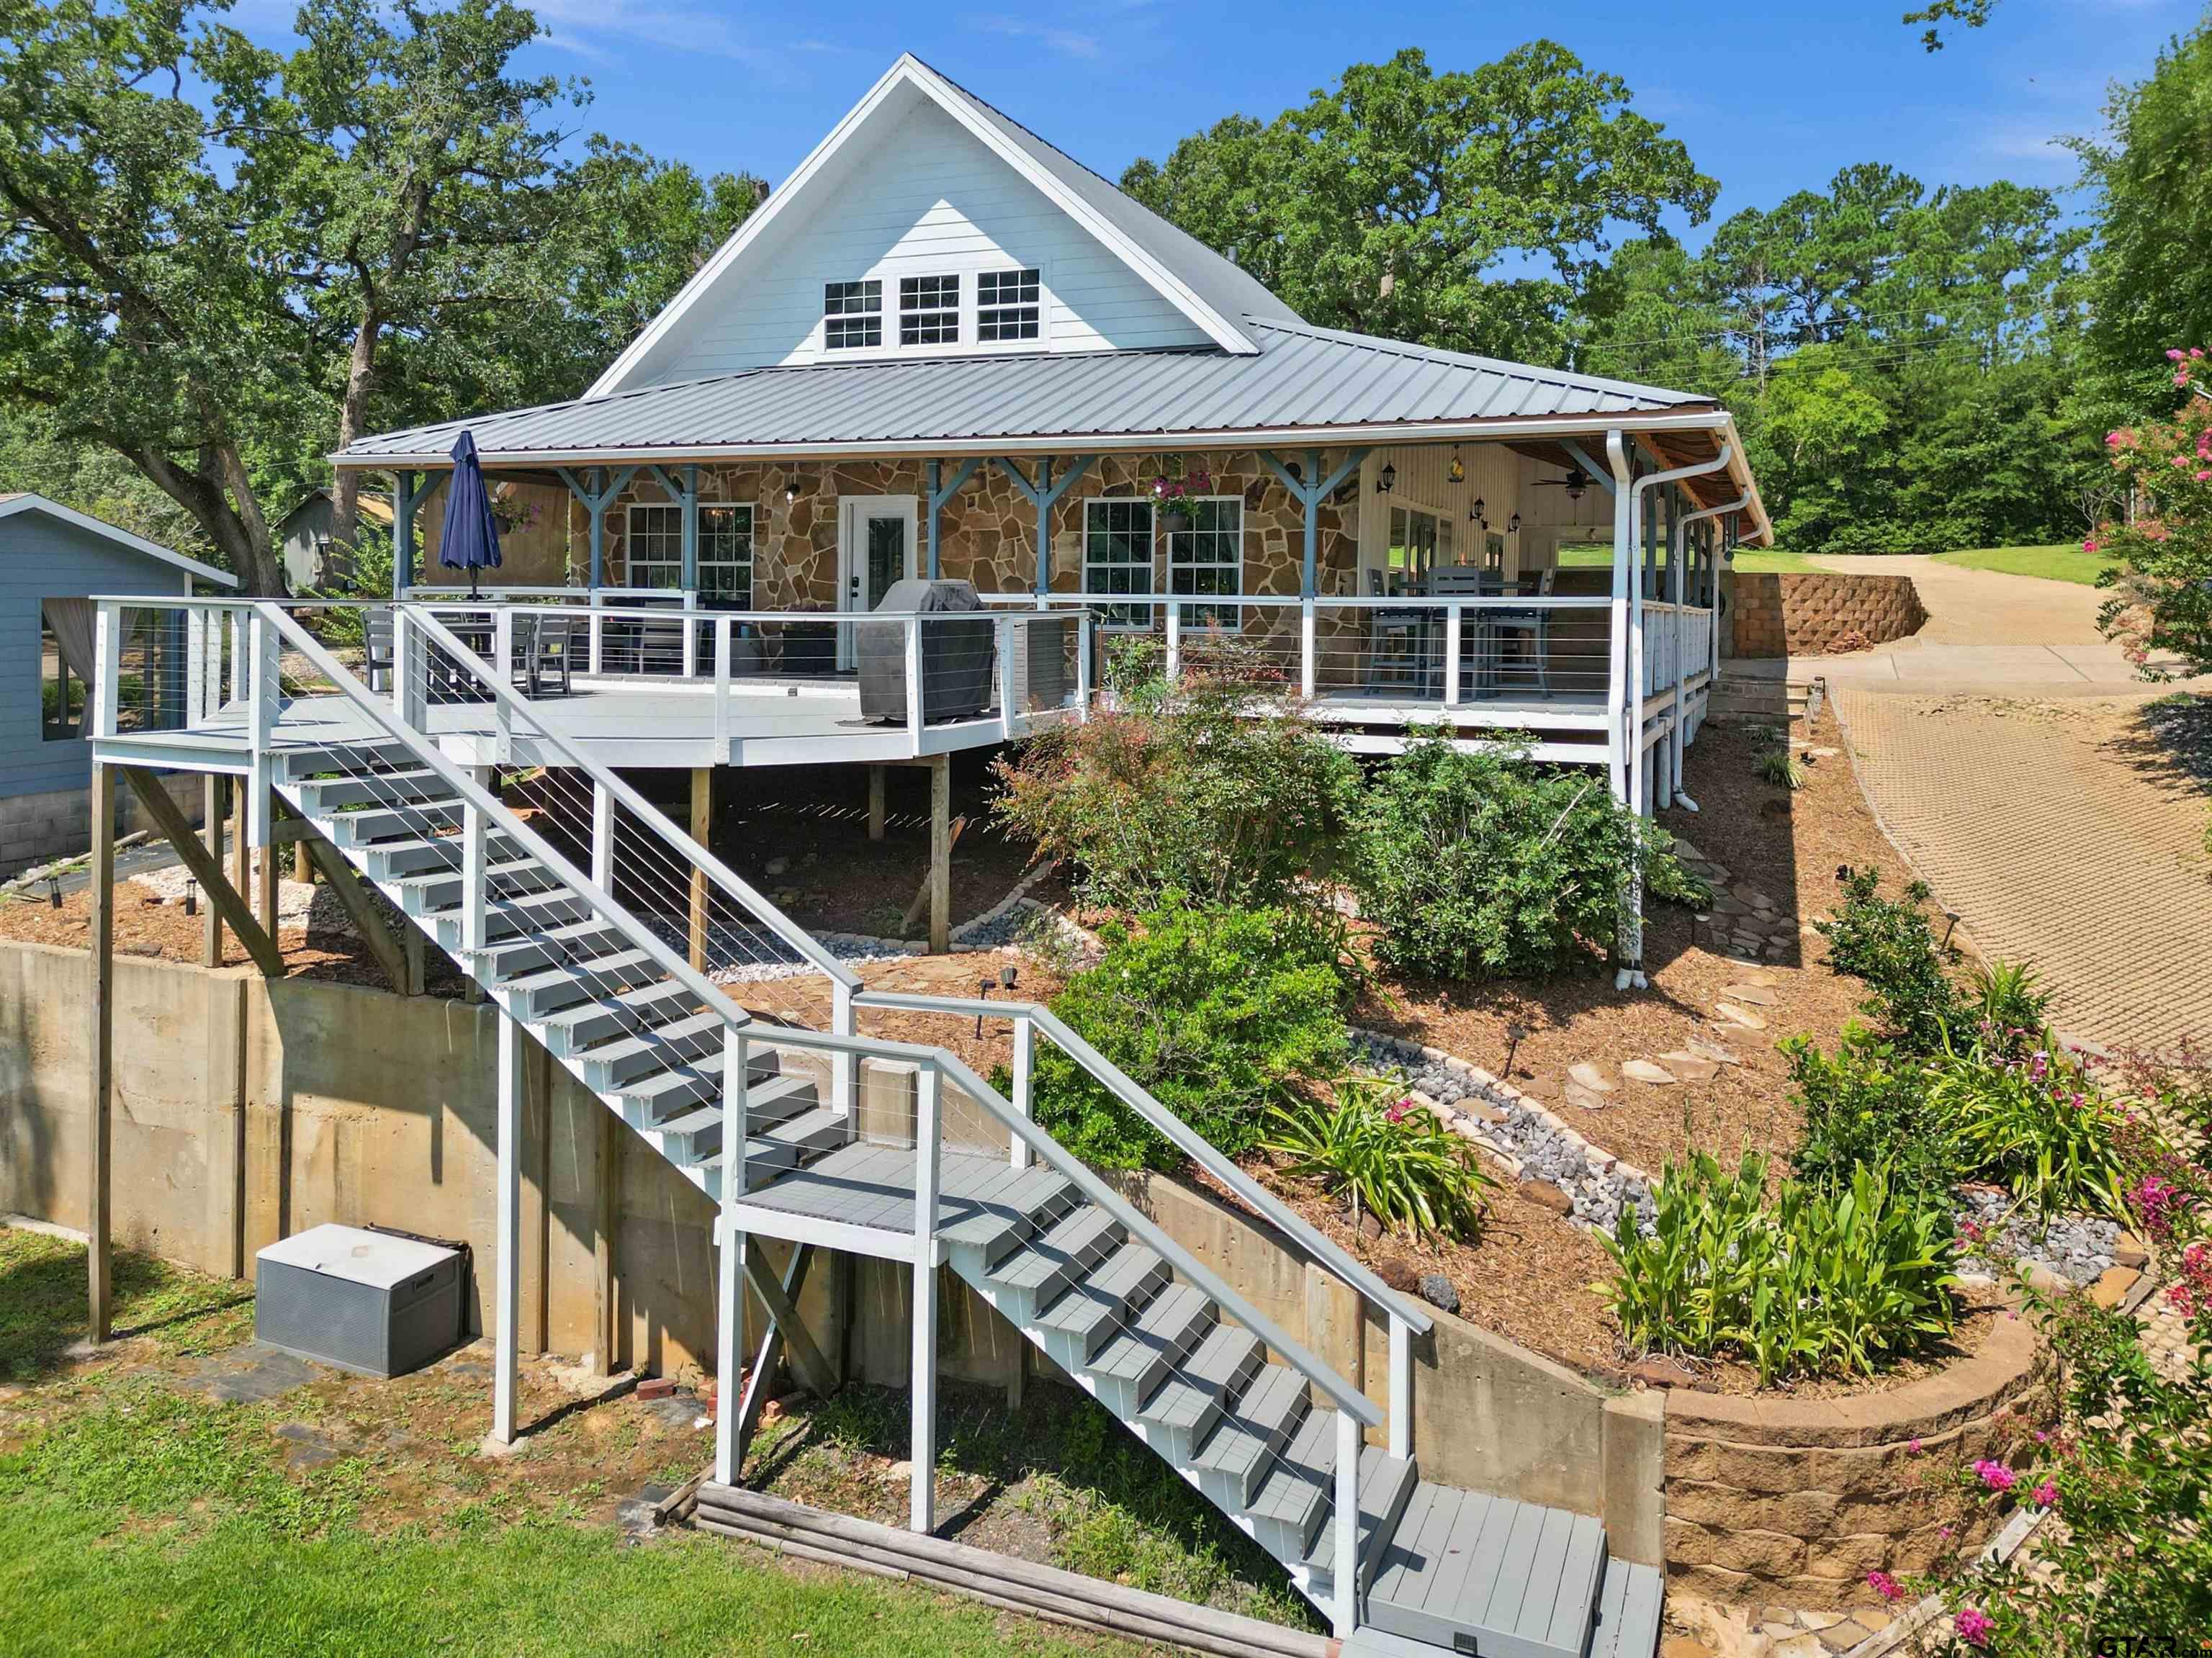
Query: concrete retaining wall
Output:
(1811,613)
(36,829)
(1777,1501)
(247,1110)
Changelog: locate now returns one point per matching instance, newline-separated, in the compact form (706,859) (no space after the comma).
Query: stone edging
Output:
(1535,1143)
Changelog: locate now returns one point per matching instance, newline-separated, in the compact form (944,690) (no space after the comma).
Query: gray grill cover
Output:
(957,657)
(360,1300)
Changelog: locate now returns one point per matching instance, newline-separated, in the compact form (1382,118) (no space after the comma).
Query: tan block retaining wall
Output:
(1808,613)
(1779,1501)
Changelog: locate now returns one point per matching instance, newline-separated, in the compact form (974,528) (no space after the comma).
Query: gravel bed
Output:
(2078,1249)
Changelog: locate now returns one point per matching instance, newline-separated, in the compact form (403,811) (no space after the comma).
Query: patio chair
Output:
(1534,626)
(549,655)
(376,648)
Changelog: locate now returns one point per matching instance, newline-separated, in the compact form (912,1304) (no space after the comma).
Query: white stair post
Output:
(913,682)
(730,1292)
(921,1507)
(1454,624)
(264,689)
(1007,624)
(1083,643)
(722,664)
(1025,1058)
(1402,1387)
(603,837)
(506,1292)
(844,1064)
(472,882)
(1343,1614)
(1308,670)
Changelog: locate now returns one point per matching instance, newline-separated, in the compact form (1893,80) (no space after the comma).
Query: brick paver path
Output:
(2052,831)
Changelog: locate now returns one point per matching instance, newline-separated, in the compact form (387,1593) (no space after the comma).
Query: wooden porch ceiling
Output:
(1669,449)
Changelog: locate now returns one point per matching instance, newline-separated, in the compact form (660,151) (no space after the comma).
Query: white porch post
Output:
(1025,1060)
(506,1292)
(1344,1611)
(1616,667)
(730,1291)
(921,1507)
(1402,1387)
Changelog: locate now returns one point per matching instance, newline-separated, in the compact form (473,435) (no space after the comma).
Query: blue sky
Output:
(1769,97)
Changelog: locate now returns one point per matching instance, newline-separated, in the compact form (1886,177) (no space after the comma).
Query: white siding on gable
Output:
(921,196)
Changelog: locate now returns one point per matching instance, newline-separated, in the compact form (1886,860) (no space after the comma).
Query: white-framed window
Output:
(653,544)
(1419,543)
(726,555)
(655,548)
(1209,558)
(929,310)
(852,314)
(1117,556)
(1007,306)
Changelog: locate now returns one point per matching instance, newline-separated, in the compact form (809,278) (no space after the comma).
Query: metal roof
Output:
(1304,379)
(23,500)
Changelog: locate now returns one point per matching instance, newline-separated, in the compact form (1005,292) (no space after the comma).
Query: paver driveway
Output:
(2009,752)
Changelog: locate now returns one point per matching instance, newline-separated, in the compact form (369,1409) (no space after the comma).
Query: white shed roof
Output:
(24,502)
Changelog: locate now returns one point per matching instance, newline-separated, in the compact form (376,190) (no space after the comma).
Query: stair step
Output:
(1102,1303)
(1033,1203)
(1133,1365)
(319,797)
(556,946)
(811,1133)
(535,994)
(1181,1414)
(611,1064)
(1387,1484)
(575,1029)
(1628,1606)
(1236,1455)
(1468,1571)
(432,854)
(1038,1273)
(514,917)
(438,892)
(695,1139)
(297,765)
(372,824)
(665,1094)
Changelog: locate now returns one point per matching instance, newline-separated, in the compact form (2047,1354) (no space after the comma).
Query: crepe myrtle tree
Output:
(2160,584)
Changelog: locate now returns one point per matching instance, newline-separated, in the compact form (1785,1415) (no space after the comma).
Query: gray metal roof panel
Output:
(1305,377)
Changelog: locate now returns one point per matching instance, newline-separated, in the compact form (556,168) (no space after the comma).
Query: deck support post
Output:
(265,876)
(1310,490)
(1344,1611)
(100,900)
(940,853)
(703,829)
(940,494)
(1043,494)
(605,1207)
(921,1507)
(216,887)
(507,1289)
(876,810)
(211,811)
(406,495)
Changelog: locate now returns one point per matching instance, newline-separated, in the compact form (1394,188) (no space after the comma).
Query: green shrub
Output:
(1385,1155)
(1477,865)
(1867,1106)
(1214,788)
(2036,1123)
(1780,768)
(1816,1281)
(2003,998)
(1890,944)
(1216,1012)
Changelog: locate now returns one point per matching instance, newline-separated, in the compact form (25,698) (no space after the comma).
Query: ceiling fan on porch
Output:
(1575,481)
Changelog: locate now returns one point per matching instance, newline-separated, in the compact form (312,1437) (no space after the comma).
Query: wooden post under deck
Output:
(940,853)
(265,891)
(211,809)
(605,1199)
(100,917)
(877,813)
(703,828)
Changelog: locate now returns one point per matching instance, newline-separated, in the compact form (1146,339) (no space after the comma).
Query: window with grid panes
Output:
(852,314)
(929,310)
(655,544)
(725,556)
(1209,558)
(1007,305)
(1117,557)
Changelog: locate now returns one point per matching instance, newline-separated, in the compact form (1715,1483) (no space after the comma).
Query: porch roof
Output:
(1306,386)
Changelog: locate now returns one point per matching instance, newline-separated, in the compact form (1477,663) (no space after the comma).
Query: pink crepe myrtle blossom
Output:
(2046,1496)
(1974,1625)
(2175,353)
(1914,1447)
(1886,1586)
(1994,1475)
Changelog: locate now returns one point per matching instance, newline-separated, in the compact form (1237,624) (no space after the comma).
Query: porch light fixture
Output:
(1513,525)
(53,892)
(1458,473)
(1479,513)
(1297,472)
(191,898)
(790,488)
(1387,480)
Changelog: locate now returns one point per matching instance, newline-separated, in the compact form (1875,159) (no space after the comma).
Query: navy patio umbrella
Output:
(470,538)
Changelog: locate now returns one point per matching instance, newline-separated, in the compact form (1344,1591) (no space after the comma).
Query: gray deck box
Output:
(363,1301)
(957,654)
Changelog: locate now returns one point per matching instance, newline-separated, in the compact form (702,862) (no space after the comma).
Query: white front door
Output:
(875,548)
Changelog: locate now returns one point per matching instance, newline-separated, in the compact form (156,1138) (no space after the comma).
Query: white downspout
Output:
(1631,975)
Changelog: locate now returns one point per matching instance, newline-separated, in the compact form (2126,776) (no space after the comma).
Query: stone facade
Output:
(1812,613)
(1792,1501)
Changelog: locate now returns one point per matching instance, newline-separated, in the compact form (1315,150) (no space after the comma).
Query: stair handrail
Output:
(1100,1191)
(1116,1082)
(683,844)
(1185,1139)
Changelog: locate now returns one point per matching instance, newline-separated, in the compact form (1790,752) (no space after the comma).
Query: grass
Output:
(136,1517)
(1756,561)
(2063,561)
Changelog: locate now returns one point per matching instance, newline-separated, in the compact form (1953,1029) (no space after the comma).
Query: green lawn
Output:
(138,1517)
(1753,559)
(2064,562)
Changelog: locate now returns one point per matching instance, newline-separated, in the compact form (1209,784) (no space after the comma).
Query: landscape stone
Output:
(1437,1289)
(1750,994)
(1713,1051)
(1591,1077)
(1644,1071)
(1743,1017)
(1588,1099)
(1691,1067)
(1545,1195)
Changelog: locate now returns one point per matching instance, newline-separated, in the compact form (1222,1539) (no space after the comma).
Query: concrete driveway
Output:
(2018,762)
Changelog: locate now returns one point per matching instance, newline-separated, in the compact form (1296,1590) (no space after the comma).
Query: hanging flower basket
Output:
(1175,495)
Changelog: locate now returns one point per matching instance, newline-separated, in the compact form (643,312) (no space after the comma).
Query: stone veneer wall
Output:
(1790,1501)
(1807,613)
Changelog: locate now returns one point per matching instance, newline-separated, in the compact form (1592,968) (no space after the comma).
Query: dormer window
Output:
(852,315)
(929,310)
(1007,305)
